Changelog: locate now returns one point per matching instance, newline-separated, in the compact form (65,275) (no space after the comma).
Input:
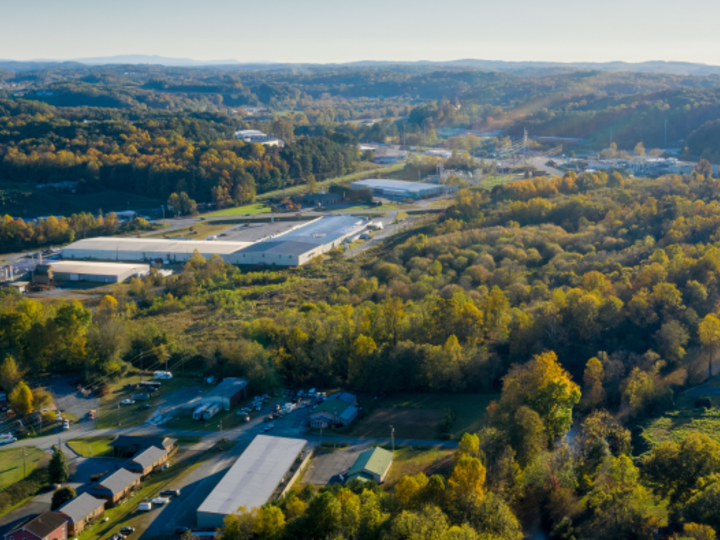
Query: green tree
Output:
(9,373)
(61,496)
(269,523)
(21,399)
(58,467)
(709,334)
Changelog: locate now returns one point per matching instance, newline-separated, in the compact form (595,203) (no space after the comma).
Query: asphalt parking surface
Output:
(326,468)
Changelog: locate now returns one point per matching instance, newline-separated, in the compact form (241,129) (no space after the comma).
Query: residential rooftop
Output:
(80,507)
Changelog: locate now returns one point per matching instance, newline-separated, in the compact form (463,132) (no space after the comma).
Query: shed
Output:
(226,394)
(116,486)
(128,445)
(81,511)
(372,464)
(147,461)
(46,526)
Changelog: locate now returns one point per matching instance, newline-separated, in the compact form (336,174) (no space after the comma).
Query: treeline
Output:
(18,235)
(156,156)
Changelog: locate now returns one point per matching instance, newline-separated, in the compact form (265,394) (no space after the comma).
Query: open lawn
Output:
(200,231)
(252,209)
(11,464)
(418,416)
(93,446)
(112,414)
(676,424)
(409,461)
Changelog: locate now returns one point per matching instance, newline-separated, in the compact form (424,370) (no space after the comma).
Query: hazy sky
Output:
(342,31)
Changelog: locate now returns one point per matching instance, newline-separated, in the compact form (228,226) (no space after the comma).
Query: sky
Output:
(329,31)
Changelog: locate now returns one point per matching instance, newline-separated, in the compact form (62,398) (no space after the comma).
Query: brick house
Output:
(81,511)
(46,526)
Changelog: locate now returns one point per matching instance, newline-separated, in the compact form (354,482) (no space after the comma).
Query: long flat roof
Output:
(163,245)
(395,184)
(228,388)
(252,480)
(97,268)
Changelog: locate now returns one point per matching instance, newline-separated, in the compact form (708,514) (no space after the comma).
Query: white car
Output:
(127,402)
(7,438)
(66,425)
(160,500)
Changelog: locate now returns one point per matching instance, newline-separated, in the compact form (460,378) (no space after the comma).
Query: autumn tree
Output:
(21,399)
(593,391)
(709,333)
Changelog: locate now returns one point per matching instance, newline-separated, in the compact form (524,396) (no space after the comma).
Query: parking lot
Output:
(326,467)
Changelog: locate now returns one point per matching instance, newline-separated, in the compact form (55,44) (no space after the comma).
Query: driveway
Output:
(325,468)
(69,400)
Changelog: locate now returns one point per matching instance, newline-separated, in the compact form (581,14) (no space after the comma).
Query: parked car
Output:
(145,406)
(268,419)
(170,493)
(127,402)
(127,530)
(160,500)
(269,427)
(66,425)
(145,506)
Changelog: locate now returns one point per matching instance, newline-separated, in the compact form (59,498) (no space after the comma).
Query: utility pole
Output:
(321,435)
(666,132)
(24,450)
(220,426)
(392,438)
(118,414)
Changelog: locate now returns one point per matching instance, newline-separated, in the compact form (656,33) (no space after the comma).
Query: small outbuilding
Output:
(128,445)
(371,465)
(81,512)
(226,394)
(147,461)
(333,412)
(46,526)
(116,486)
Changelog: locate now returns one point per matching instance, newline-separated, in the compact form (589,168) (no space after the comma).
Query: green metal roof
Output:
(375,460)
(333,406)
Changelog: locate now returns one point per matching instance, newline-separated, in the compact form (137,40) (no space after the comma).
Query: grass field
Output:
(112,415)
(252,209)
(676,424)
(93,446)
(11,464)
(409,461)
(200,231)
(418,416)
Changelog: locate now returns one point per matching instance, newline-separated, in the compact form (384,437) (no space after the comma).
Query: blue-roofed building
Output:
(399,189)
(298,246)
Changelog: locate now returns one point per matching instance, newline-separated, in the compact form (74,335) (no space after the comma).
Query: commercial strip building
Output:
(258,137)
(372,464)
(147,461)
(338,410)
(87,271)
(398,189)
(81,512)
(116,486)
(262,473)
(226,394)
(292,248)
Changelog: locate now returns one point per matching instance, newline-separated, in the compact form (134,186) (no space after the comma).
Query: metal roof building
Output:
(373,464)
(227,393)
(298,246)
(143,249)
(252,480)
(398,189)
(99,272)
(80,511)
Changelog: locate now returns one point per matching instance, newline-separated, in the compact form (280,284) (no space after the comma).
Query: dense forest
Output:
(588,301)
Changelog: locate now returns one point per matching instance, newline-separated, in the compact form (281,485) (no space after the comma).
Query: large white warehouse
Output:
(293,248)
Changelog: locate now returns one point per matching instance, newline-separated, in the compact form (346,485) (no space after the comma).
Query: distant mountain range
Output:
(519,68)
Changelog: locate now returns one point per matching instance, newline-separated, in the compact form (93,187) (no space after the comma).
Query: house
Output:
(333,412)
(46,526)
(147,461)
(116,486)
(128,446)
(371,465)
(81,512)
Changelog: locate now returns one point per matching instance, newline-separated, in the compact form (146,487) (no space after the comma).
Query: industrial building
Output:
(372,464)
(258,137)
(147,249)
(95,272)
(226,394)
(292,248)
(262,473)
(298,246)
(398,189)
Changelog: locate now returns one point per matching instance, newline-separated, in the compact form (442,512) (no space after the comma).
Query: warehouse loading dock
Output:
(94,272)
